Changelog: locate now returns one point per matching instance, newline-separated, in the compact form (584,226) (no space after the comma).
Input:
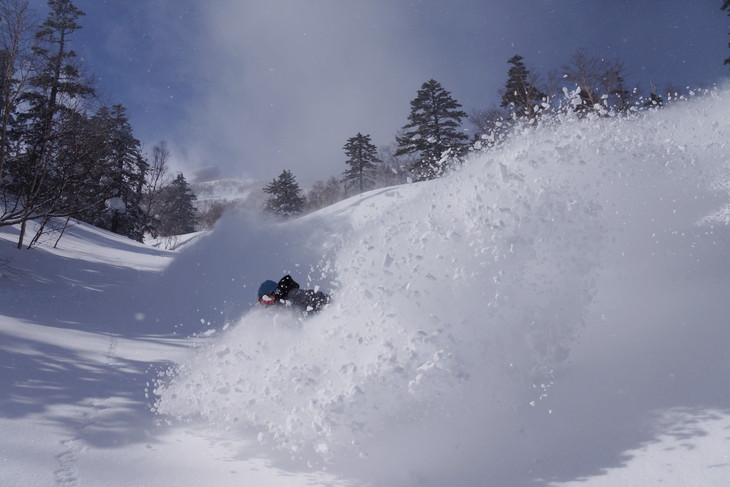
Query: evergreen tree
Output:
(726,7)
(654,101)
(624,97)
(432,134)
(57,82)
(286,196)
(520,93)
(15,41)
(130,173)
(362,158)
(124,172)
(177,212)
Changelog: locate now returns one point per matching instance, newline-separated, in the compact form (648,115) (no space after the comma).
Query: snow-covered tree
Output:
(286,196)
(362,159)
(432,134)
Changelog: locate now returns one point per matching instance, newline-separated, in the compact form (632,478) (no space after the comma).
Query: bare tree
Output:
(393,170)
(74,187)
(598,80)
(157,178)
(324,193)
(210,212)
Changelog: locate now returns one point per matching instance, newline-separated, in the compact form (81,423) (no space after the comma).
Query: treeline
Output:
(434,141)
(61,155)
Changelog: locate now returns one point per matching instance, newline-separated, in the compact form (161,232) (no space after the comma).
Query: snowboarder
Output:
(288,293)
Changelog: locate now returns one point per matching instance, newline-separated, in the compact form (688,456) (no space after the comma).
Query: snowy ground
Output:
(554,314)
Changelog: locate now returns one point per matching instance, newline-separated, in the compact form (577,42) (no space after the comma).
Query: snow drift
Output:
(460,303)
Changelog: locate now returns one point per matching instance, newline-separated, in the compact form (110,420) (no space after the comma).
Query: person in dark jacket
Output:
(288,293)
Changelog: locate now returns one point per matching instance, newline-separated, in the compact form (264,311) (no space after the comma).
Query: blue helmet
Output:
(267,287)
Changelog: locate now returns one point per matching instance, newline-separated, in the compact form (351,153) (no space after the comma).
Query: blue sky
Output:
(253,87)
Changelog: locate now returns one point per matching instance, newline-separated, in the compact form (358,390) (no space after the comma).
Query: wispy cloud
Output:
(291,81)
(258,86)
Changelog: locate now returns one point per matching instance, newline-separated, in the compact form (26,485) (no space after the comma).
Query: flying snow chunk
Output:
(115,203)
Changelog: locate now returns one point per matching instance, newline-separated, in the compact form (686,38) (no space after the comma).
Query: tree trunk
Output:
(63,230)
(22,234)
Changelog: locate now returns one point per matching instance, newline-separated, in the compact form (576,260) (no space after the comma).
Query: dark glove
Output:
(285,285)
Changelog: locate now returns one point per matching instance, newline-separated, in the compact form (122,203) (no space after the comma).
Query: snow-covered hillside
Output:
(553,314)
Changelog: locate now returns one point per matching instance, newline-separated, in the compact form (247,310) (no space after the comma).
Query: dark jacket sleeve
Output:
(308,300)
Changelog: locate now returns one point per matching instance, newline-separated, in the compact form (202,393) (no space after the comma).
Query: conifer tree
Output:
(15,41)
(520,93)
(129,169)
(124,168)
(624,97)
(726,7)
(286,196)
(176,208)
(432,135)
(654,101)
(57,77)
(362,157)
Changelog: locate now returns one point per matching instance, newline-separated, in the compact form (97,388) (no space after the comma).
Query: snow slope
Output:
(553,314)
(84,329)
